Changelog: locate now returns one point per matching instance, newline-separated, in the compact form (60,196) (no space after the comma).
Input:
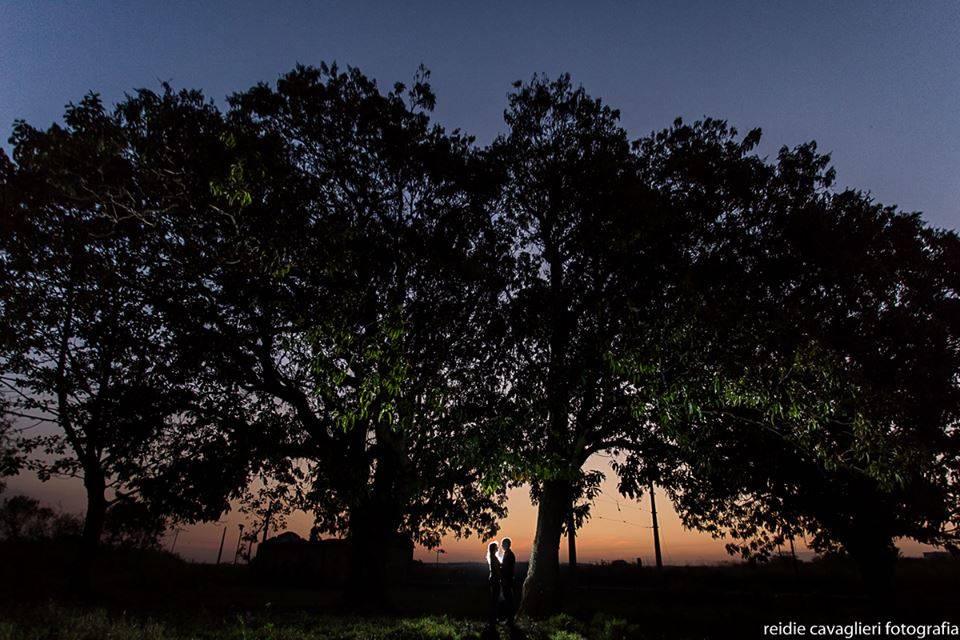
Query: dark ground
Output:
(683,602)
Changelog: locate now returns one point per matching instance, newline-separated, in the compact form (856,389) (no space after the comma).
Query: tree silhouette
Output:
(81,355)
(318,299)
(816,390)
(569,206)
(345,287)
(88,353)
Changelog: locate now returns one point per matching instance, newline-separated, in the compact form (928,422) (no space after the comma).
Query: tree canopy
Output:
(819,396)
(344,286)
(315,297)
(89,364)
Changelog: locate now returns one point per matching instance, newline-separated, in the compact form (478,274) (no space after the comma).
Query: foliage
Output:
(88,360)
(319,299)
(136,525)
(806,378)
(562,627)
(23,519)
(566,208)
(55,622)
(128,524)
(567,165)
(332,284)
(11,459)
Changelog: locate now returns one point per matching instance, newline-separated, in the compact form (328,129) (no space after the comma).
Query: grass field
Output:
(61,623)
(54,622)
(158,596)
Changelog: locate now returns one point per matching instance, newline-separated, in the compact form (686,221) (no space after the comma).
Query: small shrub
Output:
(609,628)
(431,628)
(9,631)
(562,623)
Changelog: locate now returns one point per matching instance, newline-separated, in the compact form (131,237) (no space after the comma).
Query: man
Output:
(507,566)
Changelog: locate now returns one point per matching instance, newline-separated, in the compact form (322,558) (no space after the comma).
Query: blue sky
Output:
(875,83)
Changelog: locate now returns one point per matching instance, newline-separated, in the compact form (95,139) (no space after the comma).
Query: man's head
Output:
(505,543)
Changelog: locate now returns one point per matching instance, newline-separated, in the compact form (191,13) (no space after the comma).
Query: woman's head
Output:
(491,551)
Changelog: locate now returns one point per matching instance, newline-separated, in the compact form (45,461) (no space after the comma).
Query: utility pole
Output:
(222,538)
(266,522)
(236,554)
(572,543)
(656,529)
(793,555)
(176,534)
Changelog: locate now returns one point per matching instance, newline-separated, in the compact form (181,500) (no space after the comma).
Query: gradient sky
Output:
(877,84)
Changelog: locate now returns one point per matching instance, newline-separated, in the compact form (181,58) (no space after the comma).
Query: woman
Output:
(494,581)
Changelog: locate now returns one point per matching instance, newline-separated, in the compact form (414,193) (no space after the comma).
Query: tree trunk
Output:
(875,557)
(95,518)
(371,535)
(542,584)
(540,589)
(374,526)
(572,544)
(81,569)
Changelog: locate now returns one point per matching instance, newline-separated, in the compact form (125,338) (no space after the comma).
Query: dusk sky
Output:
(876,84)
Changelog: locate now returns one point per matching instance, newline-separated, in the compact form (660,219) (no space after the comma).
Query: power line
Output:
(620,505)
(635,524)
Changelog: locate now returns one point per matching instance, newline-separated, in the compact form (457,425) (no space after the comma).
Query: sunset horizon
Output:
(619,529)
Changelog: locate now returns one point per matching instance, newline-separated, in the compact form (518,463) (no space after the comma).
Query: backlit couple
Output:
(502,570)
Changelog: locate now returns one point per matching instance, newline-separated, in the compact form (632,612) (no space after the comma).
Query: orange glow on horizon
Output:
(619,529)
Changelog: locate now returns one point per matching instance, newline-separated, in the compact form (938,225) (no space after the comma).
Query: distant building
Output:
(321,563)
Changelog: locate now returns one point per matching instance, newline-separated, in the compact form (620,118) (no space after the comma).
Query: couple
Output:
(502,568)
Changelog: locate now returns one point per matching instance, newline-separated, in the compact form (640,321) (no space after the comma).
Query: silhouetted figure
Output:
(507,572)
(494,581)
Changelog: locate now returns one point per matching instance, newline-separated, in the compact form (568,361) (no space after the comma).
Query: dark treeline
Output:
(316,298)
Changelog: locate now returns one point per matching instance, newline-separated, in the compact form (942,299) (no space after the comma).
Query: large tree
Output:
(570,208)
(87,353)
(808,373)
(342,278)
